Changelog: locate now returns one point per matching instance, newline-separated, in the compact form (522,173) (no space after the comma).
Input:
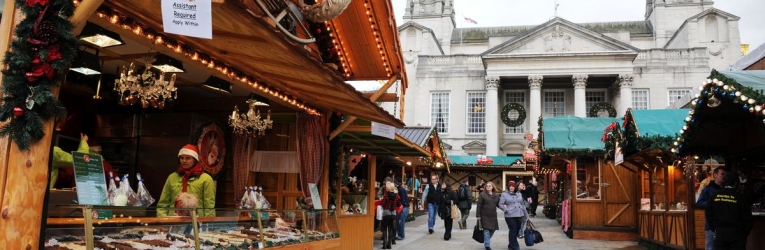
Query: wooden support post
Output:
(23,175)
(401,102)
(374,97)
(82,13)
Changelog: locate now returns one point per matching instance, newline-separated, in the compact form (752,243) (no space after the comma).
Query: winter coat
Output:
(201,186)
(63,159)
(467,202)
(445,208)
(533,192)
(706,195)
(486,209)
(511,204)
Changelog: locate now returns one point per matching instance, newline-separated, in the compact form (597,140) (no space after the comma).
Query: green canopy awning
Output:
(473,160)
(659,122)
(574,133)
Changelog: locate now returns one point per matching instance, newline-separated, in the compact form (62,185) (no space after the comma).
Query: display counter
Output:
(114,227)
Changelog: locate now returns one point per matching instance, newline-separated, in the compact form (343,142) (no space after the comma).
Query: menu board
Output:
(89,176)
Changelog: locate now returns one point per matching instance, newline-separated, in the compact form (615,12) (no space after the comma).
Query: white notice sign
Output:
(188,17)
(383,130)
(315,198)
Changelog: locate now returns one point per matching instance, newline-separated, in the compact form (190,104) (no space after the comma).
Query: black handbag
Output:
(478,232)
(537,235)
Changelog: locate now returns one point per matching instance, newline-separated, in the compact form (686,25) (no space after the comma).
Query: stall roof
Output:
(254,46)
(473,160)
(659,122)
(359,136)
(574,133)
(731,124)
(754,79)
(417,135)
(363,27)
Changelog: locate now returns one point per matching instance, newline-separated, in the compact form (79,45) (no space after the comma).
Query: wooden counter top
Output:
(149,220)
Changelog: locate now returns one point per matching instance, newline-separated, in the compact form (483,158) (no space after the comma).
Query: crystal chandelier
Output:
(147,88)
(250,123)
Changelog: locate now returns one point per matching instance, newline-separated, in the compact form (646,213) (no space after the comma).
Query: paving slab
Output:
(417,237)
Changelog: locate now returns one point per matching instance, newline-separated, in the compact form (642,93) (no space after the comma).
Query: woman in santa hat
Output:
(189,187)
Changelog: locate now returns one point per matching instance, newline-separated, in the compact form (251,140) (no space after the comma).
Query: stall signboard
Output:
(188,17)
(89,176)
(315,196)
(383,130)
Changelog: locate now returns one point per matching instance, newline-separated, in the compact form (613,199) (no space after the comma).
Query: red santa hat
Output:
(189,150)
(511,183)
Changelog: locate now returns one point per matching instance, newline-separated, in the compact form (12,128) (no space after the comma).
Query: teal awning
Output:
(754,79)
(661,122)
(473,160)
(575,133)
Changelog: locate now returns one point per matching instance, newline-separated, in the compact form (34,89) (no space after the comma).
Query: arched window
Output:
(711,29)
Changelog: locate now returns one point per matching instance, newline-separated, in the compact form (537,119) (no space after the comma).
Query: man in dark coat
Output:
(533,193)
(401,225)
(464,202)
(706,195)
(729,216)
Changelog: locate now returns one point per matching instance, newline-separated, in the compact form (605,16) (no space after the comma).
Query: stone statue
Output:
(324,11)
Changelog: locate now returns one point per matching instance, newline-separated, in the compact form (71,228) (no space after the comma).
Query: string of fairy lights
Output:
(158,38)
(376,33)
(344,61)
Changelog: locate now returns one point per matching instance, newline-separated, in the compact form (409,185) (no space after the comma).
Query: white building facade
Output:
(461,78)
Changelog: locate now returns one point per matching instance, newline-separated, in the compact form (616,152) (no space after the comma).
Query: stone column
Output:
(535,104)
(580,101)
(625,92)
(492,115)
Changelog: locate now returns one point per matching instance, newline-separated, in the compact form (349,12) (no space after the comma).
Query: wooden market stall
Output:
(664,197)
(726,123)
(500,170)
(595,198)
(365,152)
(302,79)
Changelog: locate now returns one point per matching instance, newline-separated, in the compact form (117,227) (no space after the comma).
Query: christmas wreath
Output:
(602,106)
(513,122)
(43,47)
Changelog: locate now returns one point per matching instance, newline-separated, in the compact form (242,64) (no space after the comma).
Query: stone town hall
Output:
(461,78)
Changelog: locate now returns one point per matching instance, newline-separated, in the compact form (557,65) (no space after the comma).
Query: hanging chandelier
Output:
(147,88)
(250,123)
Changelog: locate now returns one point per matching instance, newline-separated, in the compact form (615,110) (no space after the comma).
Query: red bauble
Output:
(17,111)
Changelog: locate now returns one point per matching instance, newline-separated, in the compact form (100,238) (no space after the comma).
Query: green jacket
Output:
(63,159)
(201,186)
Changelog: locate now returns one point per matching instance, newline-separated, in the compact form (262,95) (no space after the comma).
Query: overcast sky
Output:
(530,12)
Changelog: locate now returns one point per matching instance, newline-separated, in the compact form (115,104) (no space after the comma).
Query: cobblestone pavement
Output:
(417,237)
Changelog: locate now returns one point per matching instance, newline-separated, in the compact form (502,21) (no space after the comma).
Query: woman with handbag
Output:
(486,213)
(390,201)
(515,213)
(448,198)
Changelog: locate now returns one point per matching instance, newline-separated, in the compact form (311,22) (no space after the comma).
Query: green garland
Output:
(36,62)
(601,106)
(521,114)
(721,88)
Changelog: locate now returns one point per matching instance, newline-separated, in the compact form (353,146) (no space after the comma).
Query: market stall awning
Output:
(658,122)
(497,161)
(360,137)
(568,134)
(246,44)
(727,118)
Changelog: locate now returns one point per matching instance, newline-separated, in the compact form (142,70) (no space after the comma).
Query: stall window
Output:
(645,191)
(678,186)
(354,192)
(587,179)
(659,196)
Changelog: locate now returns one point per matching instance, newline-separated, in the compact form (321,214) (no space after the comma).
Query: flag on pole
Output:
(470,20)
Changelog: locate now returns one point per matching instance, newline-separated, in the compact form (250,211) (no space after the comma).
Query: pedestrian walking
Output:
(390,201)
(486,212)
(515,213)
(706,195)
(448,197)
(729,216)
(465,197)
(401,225)
(533,193)
(431,195)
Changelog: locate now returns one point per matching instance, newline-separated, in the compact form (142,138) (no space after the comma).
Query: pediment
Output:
(560,36)
(474,145)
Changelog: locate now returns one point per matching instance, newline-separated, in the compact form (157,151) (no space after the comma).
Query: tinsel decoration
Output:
(42,49)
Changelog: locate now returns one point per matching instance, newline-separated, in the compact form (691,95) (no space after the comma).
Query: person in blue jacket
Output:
(704,198)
